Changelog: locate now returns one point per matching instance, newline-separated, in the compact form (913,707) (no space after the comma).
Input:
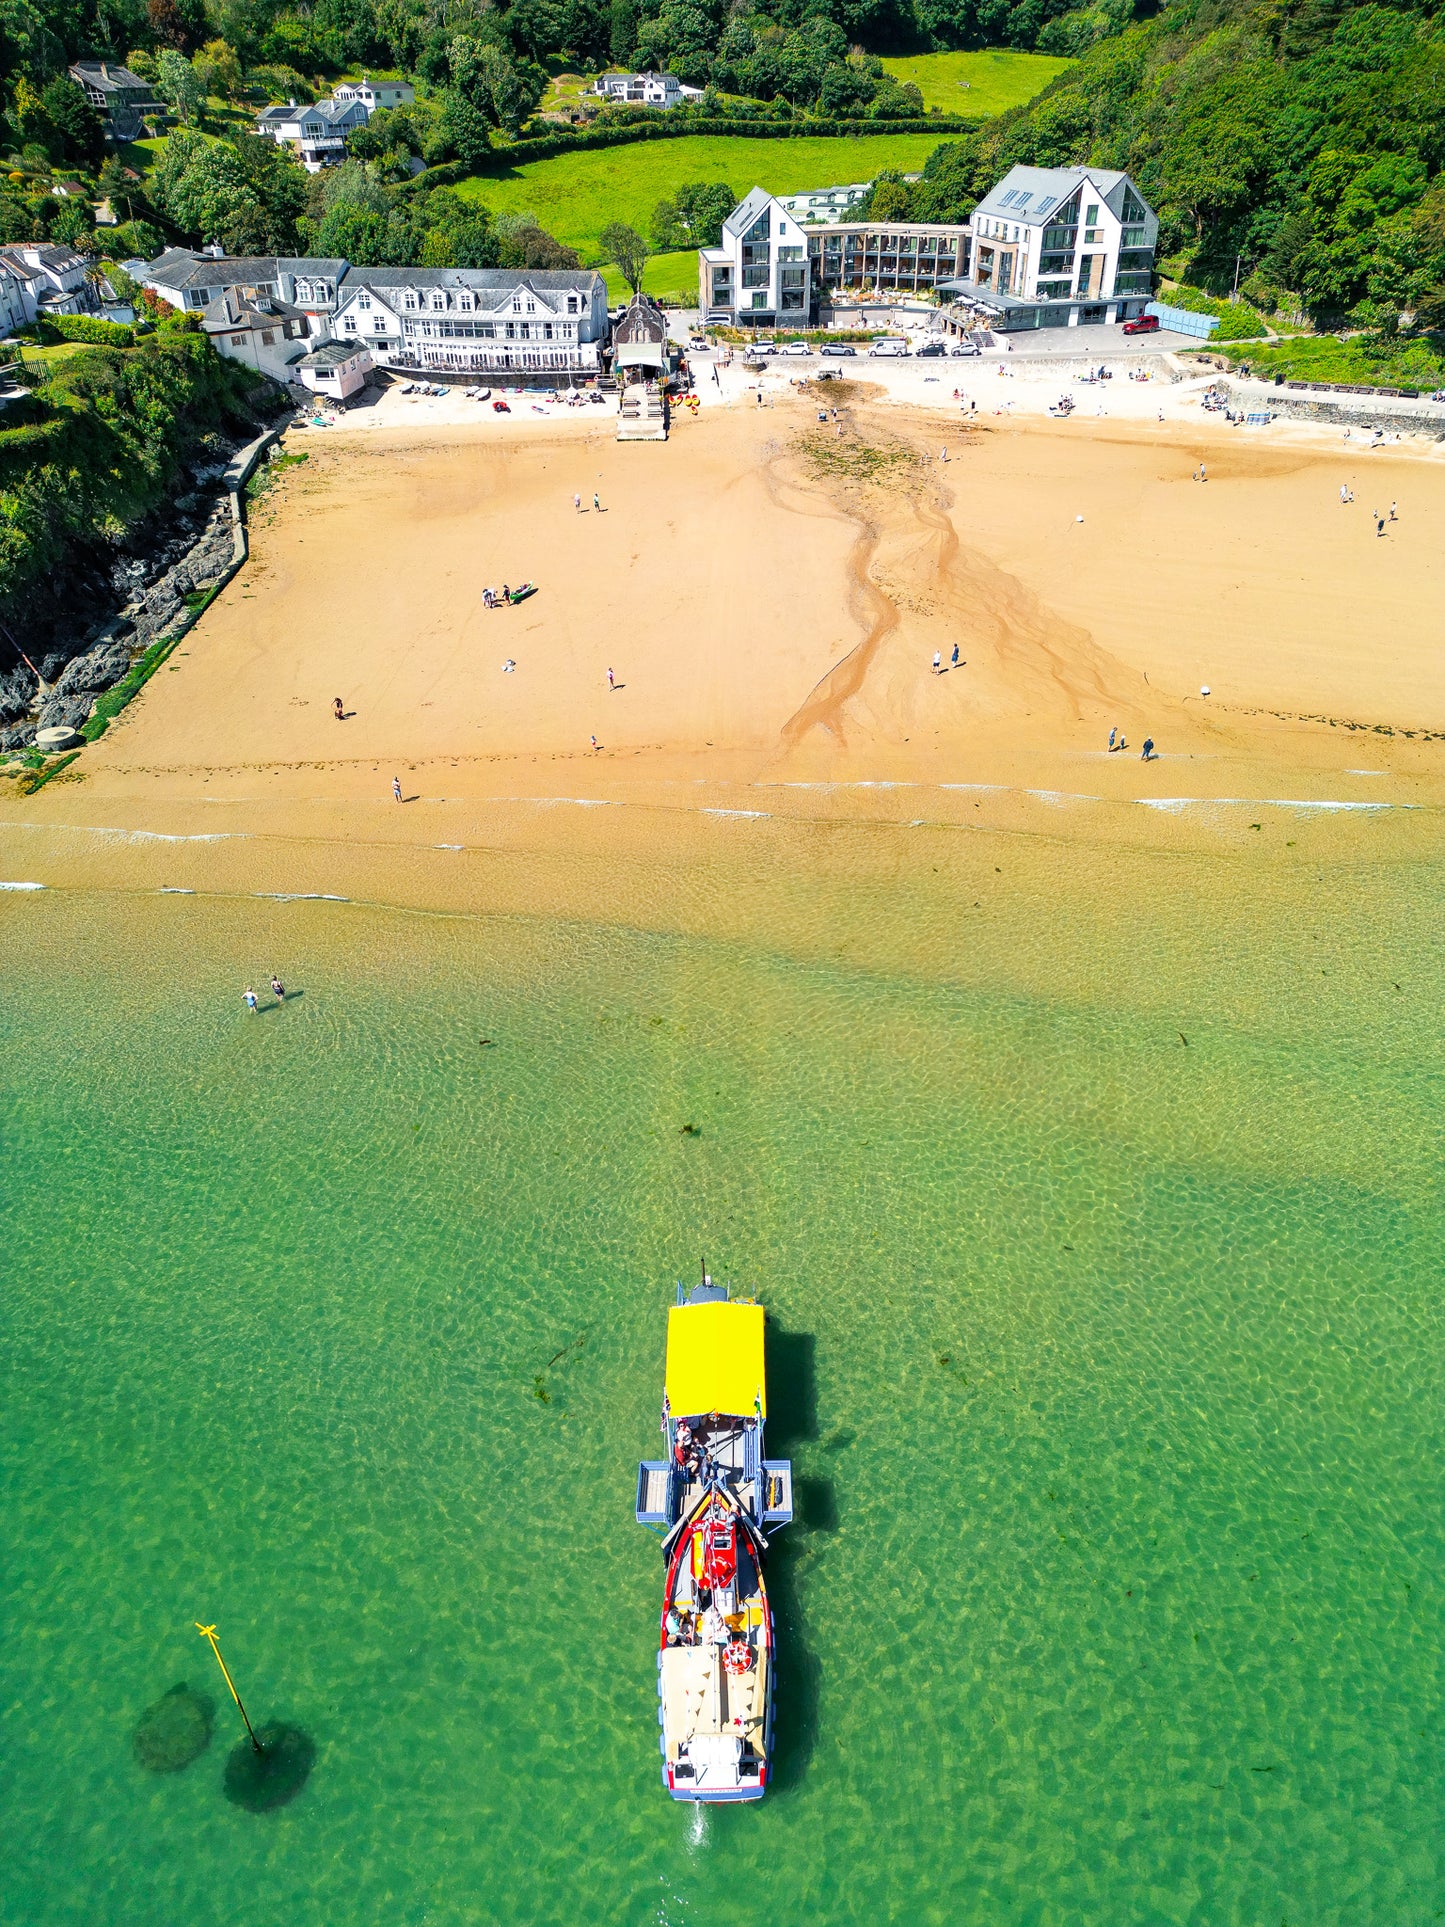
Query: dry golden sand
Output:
(769,594)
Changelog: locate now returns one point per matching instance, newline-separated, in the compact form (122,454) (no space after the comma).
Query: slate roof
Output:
(1030,195)
(479,280)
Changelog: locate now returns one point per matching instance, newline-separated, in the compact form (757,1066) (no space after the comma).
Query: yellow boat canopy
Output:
(715,1360)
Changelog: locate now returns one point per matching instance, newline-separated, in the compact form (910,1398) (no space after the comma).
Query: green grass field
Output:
(574,196)
(977,83)
(664,275)
(1380,364)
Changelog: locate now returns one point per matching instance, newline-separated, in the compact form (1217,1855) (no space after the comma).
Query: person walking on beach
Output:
(595,744)
(396,787)
(611,680)
(597,501)
(1344,494)
(250,996)
(1393,516)
(577,503)
(1113,739)
(278,989)
(1146,755)
(340,712)
(953,659)
(937,663)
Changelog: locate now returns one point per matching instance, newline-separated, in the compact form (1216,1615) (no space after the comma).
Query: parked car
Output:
(965,348)
(1142,324)
(795,348)
(837,348)
(933,348)
(890,346)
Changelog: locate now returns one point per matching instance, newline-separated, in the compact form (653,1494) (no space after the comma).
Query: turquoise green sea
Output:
(1106,1342)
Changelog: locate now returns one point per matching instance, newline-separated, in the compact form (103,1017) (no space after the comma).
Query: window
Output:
(547,331)
(790,254)
(350,324)
(238,341)
(761,229)
(438,301)
(571,304)
(363,301)
(378,321)
(1091,218)
(410,301)
(464,302)
(268,335)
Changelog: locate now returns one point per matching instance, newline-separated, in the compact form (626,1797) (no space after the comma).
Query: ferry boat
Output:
(717,1500)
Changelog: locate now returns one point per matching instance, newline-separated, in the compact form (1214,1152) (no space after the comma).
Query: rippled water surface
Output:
(1107,1348)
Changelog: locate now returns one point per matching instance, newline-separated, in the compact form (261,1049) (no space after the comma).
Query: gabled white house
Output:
(759,276)
(317,133)
(1061,245)
(645,90)
(52,279)
(375,93)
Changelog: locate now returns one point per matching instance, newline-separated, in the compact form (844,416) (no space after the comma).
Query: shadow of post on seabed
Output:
(792,1422)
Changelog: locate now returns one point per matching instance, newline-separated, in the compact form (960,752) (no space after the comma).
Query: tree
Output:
(694,216)
(78,126)
(503,91)
(178,82)
(889,199)
(522,243)
(625,247)
(219,69)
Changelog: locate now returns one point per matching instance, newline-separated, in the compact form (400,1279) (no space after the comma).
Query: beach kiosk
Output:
(717,1500)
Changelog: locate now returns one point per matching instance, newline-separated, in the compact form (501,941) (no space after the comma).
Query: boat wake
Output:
(697,1825)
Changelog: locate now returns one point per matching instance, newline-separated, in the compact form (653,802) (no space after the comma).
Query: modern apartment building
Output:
(774,266)
(1059,246)
(887,257)
(759,276)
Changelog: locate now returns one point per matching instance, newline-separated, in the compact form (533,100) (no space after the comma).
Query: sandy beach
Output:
(769,589)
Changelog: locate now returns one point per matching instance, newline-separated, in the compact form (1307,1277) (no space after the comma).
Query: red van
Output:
(1143,324)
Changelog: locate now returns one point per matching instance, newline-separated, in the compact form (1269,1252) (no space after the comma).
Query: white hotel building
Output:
(1060,246)
(272,312)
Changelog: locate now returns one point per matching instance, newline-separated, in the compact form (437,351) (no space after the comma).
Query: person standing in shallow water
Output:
(250,999)
(278,990)
(1146,755)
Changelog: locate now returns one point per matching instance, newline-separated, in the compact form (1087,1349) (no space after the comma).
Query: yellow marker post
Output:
(209,1632)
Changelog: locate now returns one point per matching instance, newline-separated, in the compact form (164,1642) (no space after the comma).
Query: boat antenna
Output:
(704,1270)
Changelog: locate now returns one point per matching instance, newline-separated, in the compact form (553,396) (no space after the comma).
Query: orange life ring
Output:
(737,1657)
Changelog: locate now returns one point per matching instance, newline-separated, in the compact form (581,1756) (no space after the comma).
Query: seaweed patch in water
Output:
(175,1731)
(260,1782)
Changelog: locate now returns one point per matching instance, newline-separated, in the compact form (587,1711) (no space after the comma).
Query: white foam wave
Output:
(22,886)
(749,813)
